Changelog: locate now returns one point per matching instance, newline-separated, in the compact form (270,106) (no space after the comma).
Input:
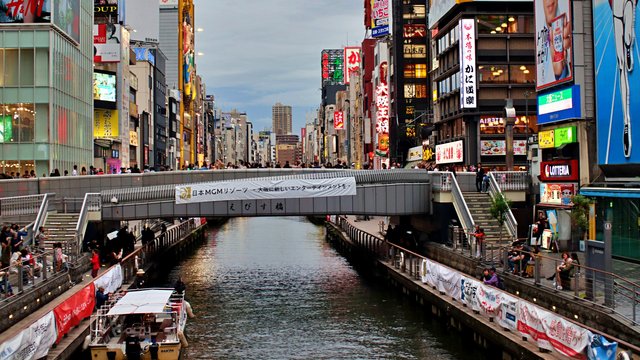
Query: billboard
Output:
(38,11)
(617,82)
(449,153)
(380,24)
(554,58)
(67,17)
(338,120)
(559,105)
(332,67)
(557,194)
(146,54)
(352,62)
(559,170)
(105,123)
(144,17)
(499,147)
(468,65)
(106,43)
(104,86)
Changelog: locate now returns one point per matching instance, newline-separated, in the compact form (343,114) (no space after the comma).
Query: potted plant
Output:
(500,206)
(580,215)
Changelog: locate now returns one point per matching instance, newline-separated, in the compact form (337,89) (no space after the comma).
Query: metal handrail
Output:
(91,200)
(461,205)
(20,205)
(512,180)
(510,220)
(41,217)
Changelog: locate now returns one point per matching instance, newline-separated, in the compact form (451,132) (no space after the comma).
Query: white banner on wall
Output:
(469,293)
(530,324)
(468,89)
(449,282)
(449,153)
(33,342)
(111,280)
(265,189)
(508,312)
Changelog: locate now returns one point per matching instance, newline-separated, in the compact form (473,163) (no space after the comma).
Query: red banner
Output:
(73,310)
(338,120)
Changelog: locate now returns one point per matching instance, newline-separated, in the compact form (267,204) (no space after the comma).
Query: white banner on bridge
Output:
(33,342)
(265,189)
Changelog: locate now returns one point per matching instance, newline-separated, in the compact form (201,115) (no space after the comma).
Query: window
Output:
(415,71)
(494,124)
(522,74)
(17,123)
(505,24)
(493,74)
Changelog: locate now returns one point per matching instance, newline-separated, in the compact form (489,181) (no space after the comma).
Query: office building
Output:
(281,118)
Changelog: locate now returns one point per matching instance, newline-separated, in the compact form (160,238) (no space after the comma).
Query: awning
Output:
(141,302)
(412,164)
(610,192)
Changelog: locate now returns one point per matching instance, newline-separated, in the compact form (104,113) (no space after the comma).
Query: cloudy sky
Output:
(257,53)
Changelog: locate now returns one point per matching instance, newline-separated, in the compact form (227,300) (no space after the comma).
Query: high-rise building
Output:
(281,117)
(45,115)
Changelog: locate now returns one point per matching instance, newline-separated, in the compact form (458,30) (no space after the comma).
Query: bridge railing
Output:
(511,180)
(21,205)
(459,203)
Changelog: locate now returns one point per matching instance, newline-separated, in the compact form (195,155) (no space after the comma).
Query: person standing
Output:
(480,236)
(479,177)
(95,263)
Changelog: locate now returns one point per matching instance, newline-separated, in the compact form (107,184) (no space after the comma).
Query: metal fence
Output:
(21,205)
(91,202)
(496,190)
(20,276)
(512,180)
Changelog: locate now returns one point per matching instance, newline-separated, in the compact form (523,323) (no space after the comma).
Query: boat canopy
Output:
(142,302)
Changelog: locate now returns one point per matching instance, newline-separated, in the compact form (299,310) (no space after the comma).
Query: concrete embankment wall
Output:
(491,339)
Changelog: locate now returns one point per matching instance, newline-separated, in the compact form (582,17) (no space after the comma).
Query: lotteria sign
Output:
(559,105)
(559,170)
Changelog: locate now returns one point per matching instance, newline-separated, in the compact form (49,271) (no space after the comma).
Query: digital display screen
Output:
(104,86)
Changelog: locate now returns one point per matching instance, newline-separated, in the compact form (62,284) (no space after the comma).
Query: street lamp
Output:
(348,111)
(526,94)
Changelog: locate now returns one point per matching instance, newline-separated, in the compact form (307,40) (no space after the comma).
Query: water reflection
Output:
(272,288)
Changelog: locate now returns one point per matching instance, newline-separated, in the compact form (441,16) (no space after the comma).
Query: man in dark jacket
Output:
(479,177)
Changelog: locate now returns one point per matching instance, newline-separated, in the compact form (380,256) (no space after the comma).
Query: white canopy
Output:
(141,302)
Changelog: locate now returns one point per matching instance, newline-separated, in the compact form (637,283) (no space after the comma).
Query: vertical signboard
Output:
(617,81)
(106,43)
(332,67)
(380,18)
(338,120)
(382,112)
(352,62)
(468,98)
(554,59)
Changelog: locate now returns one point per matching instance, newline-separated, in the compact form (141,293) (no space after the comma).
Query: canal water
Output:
(273,288)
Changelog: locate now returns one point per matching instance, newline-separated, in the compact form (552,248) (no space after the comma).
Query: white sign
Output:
(111,280)
(106,43)
(33,342)
(508,312)
(415,153)
(449,153)
(530,324)
(265,189)
(468,88)
(351,62)
(469,293)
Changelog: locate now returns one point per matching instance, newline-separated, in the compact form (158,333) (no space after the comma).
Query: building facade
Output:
(46,90)
(281,117)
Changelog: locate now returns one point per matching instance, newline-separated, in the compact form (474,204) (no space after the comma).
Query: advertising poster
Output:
(557,194)
(6,128)
(380,11)
(67,17)
(338,120)
(554,59)
(104,87)
(33,342)
(106,43)
(36,11)
(105,123)
(615,34)
(492,147)
(449,153)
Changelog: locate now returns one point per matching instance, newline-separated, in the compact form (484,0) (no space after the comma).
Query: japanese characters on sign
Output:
(351,62)
(468,89)
(332,66)
(338,120)
(264,189)
(382,109)
(380,18)
(449,153)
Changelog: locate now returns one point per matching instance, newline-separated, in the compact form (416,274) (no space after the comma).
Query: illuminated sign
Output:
(106,10)
(557,194)
(380,18)
(104,86)
(144,54)
(6,128)
(414,31)
(133,138)
(382,106)
(338,120)
(554,60)
(559,170)
(352,62)
(415,153)
(559,105)
(449,153)
(565,135)
(468,63)
(105,123)
(545,139)
(499,147)
(332,67)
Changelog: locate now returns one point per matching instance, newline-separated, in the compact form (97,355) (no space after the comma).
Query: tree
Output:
(580,213)
(500,206)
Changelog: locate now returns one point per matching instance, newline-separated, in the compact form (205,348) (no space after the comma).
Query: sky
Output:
(257,53)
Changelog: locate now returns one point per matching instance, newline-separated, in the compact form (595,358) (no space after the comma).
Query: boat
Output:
(140,324)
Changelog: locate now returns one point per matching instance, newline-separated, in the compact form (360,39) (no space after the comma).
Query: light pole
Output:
(526,116)
(348,144)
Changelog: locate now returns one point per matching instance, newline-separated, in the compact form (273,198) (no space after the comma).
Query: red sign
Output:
(75,309)
(338,120)
(415,30)
(352,62)
(559,170)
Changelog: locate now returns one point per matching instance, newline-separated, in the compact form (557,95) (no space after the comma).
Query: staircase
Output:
(60,228)
(479,205)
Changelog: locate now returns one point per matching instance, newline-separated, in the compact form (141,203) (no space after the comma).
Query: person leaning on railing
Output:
(563,271)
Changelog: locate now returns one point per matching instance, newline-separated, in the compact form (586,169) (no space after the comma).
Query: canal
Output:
(273,288)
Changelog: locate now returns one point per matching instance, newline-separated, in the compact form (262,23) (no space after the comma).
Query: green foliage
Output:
(580,212)
(500,206)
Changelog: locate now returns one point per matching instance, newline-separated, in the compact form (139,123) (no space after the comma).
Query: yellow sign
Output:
(546,139)
(133,138)
(105,123)
(427,154)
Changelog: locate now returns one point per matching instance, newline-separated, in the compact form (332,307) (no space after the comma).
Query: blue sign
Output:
(617,84)
(380,31)
(558,105)
(144,54)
